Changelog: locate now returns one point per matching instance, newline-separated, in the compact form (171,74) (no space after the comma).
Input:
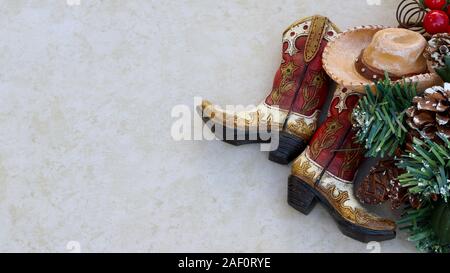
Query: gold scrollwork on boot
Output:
(304,170)
(327,140)
(309,93)
(302,129)
(280,91)
(359,216)
(318,80)
(286,84)
(339,198)
(351,159)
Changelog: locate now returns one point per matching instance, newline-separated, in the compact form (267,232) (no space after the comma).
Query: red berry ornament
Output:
(436,21)
(435,4)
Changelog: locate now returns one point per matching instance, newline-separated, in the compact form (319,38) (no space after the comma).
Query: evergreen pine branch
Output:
(427,169)
(380,117)
(427,173)
(418,223)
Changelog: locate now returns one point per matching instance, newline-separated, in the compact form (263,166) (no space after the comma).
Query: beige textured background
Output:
(86,155)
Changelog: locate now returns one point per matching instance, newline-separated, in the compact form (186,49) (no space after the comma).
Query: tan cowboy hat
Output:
(362,55)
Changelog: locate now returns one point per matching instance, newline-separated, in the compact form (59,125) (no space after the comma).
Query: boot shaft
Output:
(300,84)
(333,146)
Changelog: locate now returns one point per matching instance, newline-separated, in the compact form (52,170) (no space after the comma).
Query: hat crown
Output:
(396,51)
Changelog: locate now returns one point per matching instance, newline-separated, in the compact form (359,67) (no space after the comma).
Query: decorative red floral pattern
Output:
(314,83)
(333,145)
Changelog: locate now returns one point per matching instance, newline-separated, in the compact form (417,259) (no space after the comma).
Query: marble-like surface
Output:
(86,154)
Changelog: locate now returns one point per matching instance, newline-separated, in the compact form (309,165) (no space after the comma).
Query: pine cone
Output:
(430,113)
(409,144)
(438,48)
(397,194)
(415,201)
(377,187)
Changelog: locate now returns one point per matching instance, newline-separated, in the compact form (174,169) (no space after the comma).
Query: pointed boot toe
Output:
(240,128)
(353,221)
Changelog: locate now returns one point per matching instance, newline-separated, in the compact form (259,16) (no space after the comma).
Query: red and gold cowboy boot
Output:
(299,91)
(326,170)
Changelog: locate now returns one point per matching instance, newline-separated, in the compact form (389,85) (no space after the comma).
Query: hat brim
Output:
(340,55)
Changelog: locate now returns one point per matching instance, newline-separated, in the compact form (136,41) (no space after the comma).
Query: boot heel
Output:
(300,197)
(289,147)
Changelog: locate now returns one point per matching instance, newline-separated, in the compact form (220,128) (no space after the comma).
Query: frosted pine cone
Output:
(438,48)
(430,113)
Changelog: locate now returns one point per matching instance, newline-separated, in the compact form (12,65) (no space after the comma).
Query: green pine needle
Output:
(418,223)
(427,170)
(427,174)
(380,117)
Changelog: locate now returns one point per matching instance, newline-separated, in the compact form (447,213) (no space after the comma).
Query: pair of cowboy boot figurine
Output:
(325,169)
